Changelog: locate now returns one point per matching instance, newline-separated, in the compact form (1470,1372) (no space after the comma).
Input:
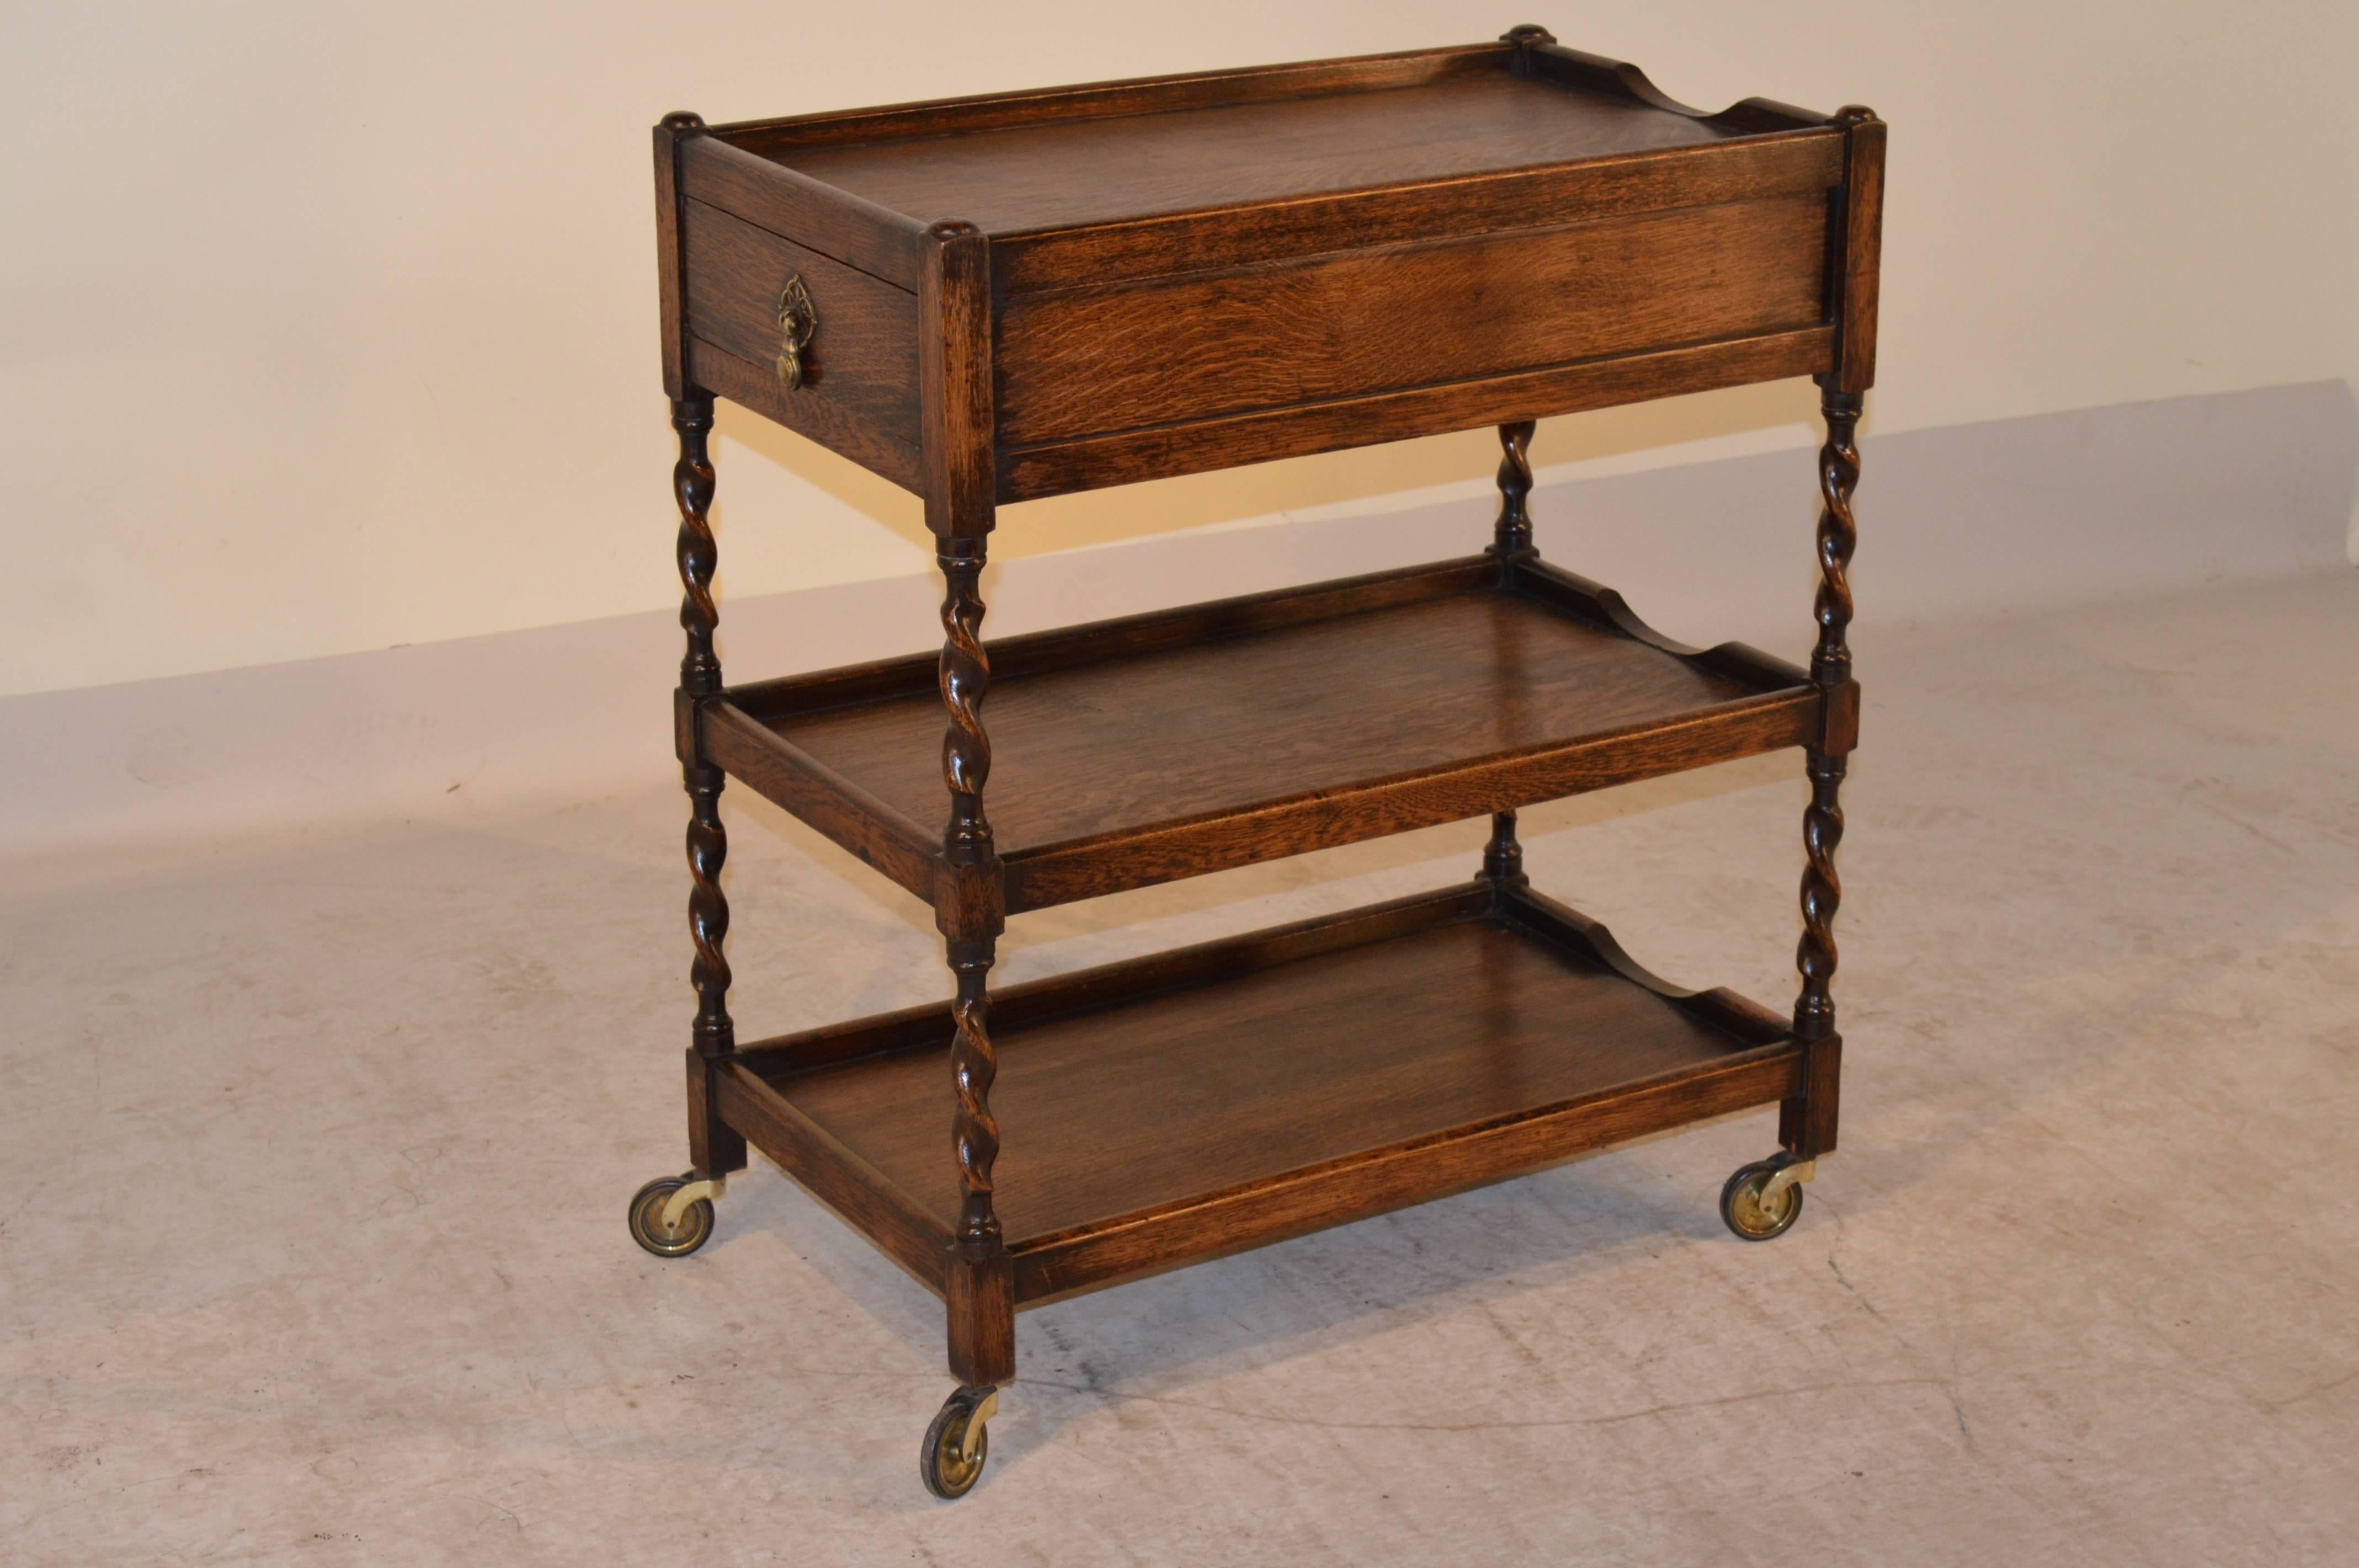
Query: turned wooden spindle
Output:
(1523,35)
(973,1064)
(699,677)
(1838,536)
(691,484)
(1503,857)
(1830,669)
(707,912)
(1511,539)
(965,678)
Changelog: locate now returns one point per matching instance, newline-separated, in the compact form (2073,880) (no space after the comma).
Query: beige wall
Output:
(332,327)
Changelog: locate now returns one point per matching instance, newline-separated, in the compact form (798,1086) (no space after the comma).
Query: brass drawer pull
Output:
(798,321)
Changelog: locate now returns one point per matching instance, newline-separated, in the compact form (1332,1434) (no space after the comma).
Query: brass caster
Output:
(956,1444)
(1763,1200)
(671,1216)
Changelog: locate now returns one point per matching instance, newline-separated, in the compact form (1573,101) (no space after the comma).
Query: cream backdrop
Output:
(331,328)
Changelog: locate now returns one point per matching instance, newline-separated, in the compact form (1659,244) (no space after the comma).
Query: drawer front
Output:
(1126,357)
(859,390)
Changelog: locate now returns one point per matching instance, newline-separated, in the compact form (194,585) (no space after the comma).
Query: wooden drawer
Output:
(1122,355)
(859,392)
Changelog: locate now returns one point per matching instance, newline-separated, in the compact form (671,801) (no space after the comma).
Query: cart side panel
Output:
(858,372)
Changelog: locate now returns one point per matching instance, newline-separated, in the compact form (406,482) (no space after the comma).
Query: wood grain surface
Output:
(1026,293)
(1260,435)
(1133,354)
(1134,95)
(1062,173)
(880,242)
(865,1198)
(755,384)
(1220,726)
(1860,278)
(1255,1213)
(1483,202)
(1447,1030)
(862,362)
(1550,656)
(670,314)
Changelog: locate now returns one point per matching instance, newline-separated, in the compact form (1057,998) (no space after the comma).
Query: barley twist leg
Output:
(699,677)
(1831,667)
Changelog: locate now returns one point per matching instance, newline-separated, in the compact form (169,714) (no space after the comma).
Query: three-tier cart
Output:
(994,299)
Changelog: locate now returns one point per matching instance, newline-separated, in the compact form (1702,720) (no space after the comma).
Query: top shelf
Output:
(997,299)
(1469,116)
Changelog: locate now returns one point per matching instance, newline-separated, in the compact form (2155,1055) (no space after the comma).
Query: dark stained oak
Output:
(862,362)
(1067,174)
(1262,435)
(670,131)
(1863,246)
(714,1144)
(994,299)
(954,368)
(1131,354)
(1830,669)
(1165,745)
(1227,1096)
(1511,535)
(755,384)
(700,681)
(863,1197)
(898,845)
(1543,58)
(889,245)
(955,373)
(1166,737)
(1161,276)
(1704,175)
(1136,95)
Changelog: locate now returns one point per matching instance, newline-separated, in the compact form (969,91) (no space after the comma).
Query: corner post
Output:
(1503,857)
(713,1148)
(1807,1122)
(957,438)
(1511,546)
(671,280)
(1822,823)
(1524,35)
(1511,537)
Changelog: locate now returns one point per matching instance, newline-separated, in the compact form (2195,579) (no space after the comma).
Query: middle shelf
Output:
(1138,751)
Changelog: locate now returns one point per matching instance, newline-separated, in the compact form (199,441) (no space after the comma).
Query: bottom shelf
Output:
(1175,1108)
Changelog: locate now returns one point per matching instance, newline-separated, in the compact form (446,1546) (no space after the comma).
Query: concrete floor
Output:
(317,1150)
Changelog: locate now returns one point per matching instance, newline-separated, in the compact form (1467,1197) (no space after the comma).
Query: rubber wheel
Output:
(1740,1203)
(647,1219)
(947,1474)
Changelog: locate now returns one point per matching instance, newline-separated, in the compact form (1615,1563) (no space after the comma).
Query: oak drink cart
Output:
(999,298)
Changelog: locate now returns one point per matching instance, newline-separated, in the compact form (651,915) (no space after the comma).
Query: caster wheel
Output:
(1747,1215)
(957,1443)
(647,1219)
